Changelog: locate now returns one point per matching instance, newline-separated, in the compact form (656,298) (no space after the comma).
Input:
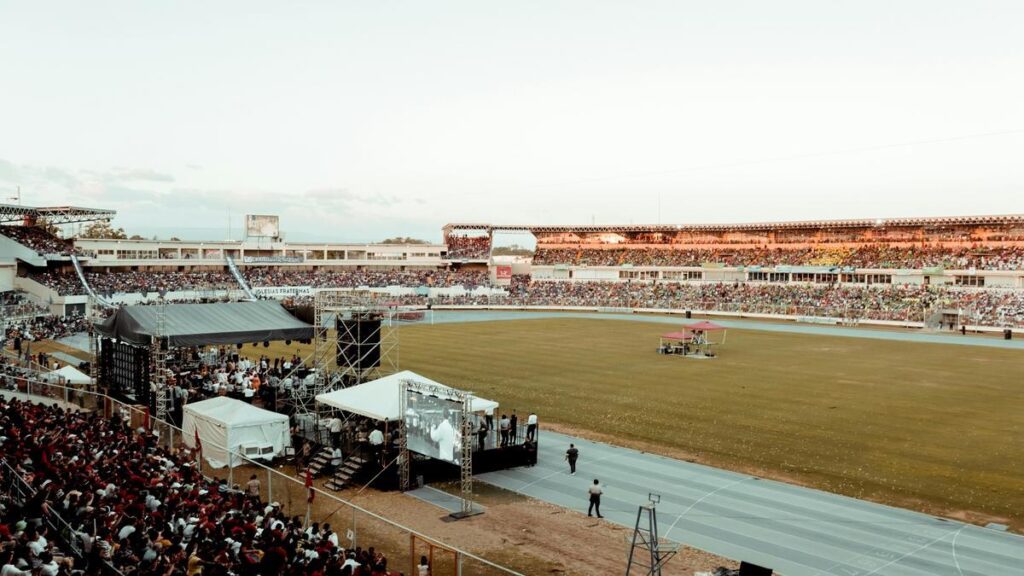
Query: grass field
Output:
(932,427)
(937,428)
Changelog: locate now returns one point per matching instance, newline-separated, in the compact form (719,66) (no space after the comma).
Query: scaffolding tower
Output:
(645,553)
(333,370)
(465,401)
(158,368)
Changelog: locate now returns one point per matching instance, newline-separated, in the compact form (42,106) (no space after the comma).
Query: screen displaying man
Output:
(434,427)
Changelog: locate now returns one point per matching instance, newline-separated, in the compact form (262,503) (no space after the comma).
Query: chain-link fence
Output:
(279,484)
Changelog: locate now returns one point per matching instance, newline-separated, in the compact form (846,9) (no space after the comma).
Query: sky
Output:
(357,121)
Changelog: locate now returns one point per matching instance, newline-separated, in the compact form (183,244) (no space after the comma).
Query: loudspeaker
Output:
(1007,334)
(305,313)
(688,315)
(359,343)
(748,569)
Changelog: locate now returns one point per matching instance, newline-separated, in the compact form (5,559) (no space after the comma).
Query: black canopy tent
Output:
(126,339)
(205,324)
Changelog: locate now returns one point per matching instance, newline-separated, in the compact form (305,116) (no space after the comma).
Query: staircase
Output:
(346,474)
(238,277)
(320,461)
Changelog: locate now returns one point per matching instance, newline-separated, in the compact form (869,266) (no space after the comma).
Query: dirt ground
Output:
(526,535)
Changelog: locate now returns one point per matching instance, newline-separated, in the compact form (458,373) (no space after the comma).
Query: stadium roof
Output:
(54,214)
(860,223)
(205,324)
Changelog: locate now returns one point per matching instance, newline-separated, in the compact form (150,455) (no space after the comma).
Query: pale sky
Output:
(361,120)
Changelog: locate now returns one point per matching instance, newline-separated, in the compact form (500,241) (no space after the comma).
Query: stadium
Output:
(812,397)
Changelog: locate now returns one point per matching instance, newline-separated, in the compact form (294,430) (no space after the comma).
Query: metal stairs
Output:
(346,473)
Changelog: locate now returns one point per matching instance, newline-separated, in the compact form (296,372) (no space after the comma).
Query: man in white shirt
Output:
(376,442)
(335,428)
(444,435)
(351,562)
(531,426)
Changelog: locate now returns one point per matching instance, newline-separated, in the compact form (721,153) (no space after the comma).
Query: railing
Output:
(238,277)
(85,283)
(18,489)
(355,524)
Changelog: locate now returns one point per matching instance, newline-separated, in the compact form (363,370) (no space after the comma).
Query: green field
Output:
(938,428)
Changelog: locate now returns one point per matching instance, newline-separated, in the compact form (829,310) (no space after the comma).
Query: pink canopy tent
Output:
(705,326)
(681,335)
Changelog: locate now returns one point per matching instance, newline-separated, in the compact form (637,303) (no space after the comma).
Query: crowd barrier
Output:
(355,525)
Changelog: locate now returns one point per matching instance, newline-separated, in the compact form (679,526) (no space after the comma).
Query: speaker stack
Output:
(358,342)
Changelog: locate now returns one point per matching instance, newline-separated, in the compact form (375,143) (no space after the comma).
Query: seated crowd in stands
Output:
(879,256)
(153,282)
(469,247)
(145,510)
(39,240)
(17,305)
(46,328)
(992,307)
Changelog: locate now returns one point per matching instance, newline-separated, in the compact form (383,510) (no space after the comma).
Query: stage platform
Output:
(795,531)
(450,503)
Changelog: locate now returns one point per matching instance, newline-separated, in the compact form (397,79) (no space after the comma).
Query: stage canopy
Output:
(705,326)
(224,424)
(202,324)
(380,399)
(681,335)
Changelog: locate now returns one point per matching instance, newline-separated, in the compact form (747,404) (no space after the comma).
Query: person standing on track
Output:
(595,499)
(571,455)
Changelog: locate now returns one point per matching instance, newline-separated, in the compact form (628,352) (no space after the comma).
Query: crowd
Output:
(39,240)
(468,247)
(16,305)
(876,256)
(878,302)
(106,284)
(47,327)
(434,278)
(146,510)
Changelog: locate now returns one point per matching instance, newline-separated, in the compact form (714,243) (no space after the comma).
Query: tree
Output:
(102,230)
(404,240)
(50,227)
(136,237)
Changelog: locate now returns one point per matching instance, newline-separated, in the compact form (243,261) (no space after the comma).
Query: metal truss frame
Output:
(53,214)
(466,465)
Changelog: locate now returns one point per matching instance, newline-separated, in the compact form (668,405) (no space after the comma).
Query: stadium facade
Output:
(968,252)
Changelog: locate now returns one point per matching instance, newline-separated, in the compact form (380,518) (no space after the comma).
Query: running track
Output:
(795,531)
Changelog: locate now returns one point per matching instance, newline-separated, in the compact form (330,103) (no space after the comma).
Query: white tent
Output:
(380,399)
(226,424)
(70,375)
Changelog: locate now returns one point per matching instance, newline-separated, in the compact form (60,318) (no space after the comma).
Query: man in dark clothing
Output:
(571,455)
(595,499)
(513,428)
(531,452)
(481,433)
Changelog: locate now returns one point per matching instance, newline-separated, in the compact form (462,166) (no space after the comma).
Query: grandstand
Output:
(942,273)
(913,271)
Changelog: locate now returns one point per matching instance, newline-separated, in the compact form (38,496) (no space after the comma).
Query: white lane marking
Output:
(702,498)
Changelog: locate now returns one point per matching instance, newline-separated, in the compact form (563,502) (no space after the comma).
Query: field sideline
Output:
(930,427)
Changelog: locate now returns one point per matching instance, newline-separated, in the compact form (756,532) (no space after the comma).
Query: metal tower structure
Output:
(158,369)
(330,305)
(645,553)
(465,438)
